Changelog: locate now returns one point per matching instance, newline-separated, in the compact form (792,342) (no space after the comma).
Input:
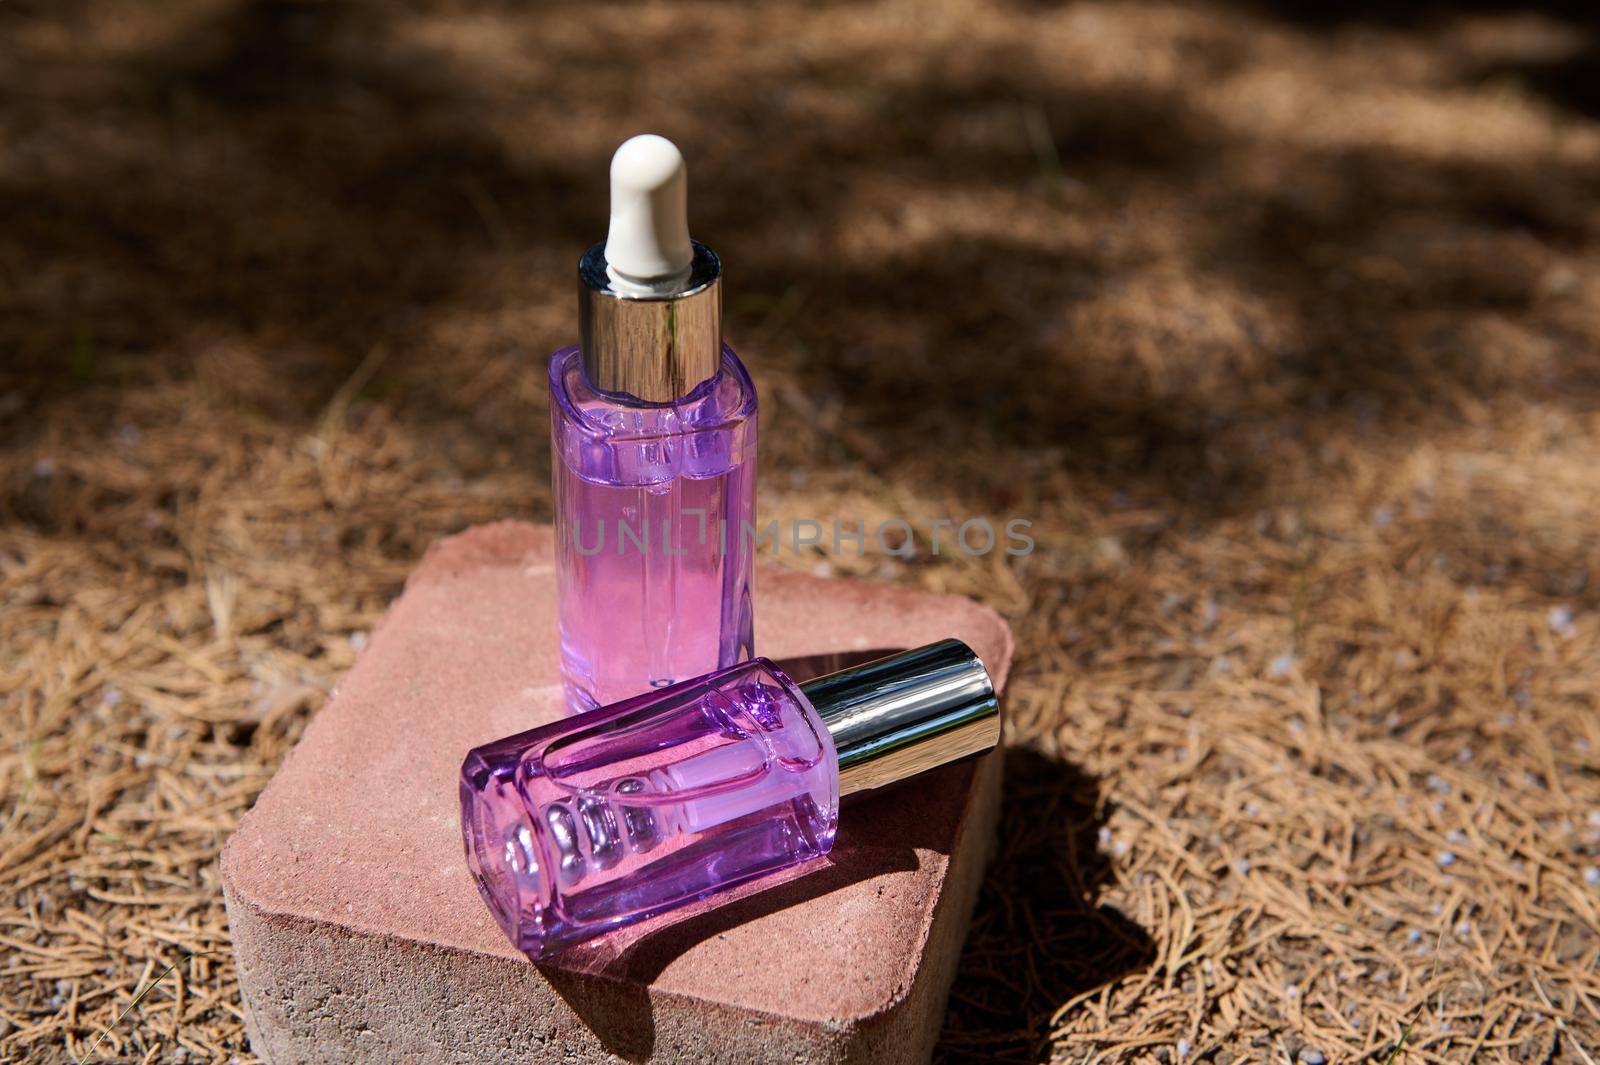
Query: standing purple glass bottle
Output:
(604,819)
(653,435)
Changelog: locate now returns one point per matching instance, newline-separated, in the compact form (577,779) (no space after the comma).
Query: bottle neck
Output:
(657,346)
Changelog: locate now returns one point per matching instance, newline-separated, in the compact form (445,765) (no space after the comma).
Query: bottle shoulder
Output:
(722,402)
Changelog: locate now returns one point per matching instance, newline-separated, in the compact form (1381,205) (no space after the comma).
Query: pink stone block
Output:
(359,933)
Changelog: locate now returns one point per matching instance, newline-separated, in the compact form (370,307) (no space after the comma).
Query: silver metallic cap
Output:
(908,713)
(657,346)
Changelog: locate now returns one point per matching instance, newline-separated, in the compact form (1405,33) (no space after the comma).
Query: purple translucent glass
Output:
(652,505)
(615,815)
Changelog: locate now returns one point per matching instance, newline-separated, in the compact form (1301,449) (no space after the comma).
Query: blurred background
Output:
(1278,320)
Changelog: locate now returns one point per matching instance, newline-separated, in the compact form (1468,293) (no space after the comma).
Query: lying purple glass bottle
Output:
(609,817)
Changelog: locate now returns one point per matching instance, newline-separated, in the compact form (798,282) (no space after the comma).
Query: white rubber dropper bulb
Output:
(648,246)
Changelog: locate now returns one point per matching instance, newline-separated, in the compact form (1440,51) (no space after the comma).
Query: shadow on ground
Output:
(1571,81)
(1040,936)
(307,182)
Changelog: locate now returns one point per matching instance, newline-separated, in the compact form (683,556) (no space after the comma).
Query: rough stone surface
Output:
(360,936)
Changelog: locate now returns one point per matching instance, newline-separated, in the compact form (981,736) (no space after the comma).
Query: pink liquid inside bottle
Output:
(653,503)
(626,811)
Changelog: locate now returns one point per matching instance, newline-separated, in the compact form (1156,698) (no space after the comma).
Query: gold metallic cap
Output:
(656,346)
(906,714)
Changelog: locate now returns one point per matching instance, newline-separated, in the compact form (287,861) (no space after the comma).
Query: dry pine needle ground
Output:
(1281,322)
